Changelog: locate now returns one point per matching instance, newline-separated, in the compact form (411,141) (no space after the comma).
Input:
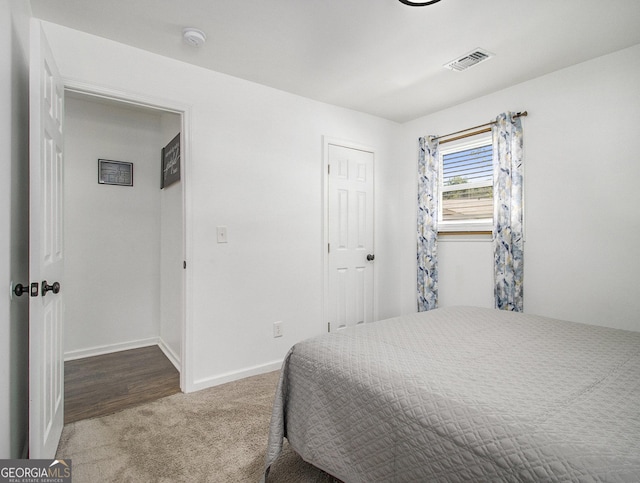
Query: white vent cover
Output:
(469,60)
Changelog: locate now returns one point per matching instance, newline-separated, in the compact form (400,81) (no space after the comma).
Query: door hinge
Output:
(184,264)
(328,169)
(328,247)
(328,326)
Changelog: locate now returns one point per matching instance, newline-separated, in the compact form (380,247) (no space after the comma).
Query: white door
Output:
(46,364)
(350,235)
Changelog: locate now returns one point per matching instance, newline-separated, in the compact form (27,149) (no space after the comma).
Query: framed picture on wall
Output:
(115,172)
(171,162)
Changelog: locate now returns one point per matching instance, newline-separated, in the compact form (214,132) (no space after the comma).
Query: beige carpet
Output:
(215,435)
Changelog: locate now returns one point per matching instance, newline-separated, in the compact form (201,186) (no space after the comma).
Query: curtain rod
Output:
(480,131)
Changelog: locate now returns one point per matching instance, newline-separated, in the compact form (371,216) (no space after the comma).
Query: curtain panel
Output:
(508,236)
(428,197)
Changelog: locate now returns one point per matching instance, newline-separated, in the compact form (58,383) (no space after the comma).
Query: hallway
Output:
(105,384)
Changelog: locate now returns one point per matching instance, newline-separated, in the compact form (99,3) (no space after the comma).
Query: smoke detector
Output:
(468,60)
(194,37)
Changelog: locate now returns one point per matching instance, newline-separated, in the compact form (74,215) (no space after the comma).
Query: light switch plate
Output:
(222,234)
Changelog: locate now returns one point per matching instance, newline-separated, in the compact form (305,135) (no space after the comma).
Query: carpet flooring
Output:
(214,435)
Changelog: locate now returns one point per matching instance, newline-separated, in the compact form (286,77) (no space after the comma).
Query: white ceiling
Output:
(374,56)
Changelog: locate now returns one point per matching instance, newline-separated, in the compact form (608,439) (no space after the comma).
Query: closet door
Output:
(350,224)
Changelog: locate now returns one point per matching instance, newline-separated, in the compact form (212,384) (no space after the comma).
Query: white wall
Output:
(255,166)
(112,233)
(582,220)
(14,229)
(459,283)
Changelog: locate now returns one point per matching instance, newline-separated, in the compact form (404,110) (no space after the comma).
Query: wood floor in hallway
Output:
(101,385)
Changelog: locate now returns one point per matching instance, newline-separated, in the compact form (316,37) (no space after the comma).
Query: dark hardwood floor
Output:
(101,385)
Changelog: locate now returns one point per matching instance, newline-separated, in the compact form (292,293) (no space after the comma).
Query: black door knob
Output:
(55,287)
(371,257)
(20,289)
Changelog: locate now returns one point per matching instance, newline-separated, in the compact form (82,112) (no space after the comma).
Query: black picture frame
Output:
(170,163)
(118,173)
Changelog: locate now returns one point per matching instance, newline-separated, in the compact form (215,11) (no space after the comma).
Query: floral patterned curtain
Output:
(427,223)
(508,236)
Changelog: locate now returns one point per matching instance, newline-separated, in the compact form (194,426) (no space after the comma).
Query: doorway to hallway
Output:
(124,256)
(101,385)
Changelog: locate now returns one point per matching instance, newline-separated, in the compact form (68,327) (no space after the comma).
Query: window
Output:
(466,185)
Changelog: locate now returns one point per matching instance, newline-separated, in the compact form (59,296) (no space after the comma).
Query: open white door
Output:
(46,363)
(350,227)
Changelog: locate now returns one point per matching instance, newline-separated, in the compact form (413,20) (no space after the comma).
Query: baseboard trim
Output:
(235,375)
(108,349)
(172,356)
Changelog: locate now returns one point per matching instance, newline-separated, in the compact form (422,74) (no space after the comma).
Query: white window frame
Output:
(476,225)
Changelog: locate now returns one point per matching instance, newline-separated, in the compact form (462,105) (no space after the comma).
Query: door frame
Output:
(326,141)
(184,110)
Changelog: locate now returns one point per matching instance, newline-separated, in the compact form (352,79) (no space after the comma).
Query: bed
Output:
(463,394)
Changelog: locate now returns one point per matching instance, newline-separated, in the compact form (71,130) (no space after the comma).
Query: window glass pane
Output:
(467,204)
(467,184)
(468,166)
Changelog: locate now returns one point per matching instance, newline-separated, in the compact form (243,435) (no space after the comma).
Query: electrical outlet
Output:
(277,329)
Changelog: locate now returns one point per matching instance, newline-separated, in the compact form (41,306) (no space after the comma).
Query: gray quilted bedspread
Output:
(464,394)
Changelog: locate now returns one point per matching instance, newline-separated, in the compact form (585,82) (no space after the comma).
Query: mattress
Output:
(463,394)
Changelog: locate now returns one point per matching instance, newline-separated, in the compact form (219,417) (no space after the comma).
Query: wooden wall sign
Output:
(171,162)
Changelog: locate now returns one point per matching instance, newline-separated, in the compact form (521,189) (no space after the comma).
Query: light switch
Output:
(222,234)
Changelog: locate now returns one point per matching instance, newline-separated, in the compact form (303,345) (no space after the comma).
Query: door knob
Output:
(20,289)
(55,287)
(371,257)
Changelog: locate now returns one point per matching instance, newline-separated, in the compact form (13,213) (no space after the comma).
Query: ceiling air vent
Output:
(469,60)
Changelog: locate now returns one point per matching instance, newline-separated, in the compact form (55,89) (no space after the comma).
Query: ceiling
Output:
(375,56)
